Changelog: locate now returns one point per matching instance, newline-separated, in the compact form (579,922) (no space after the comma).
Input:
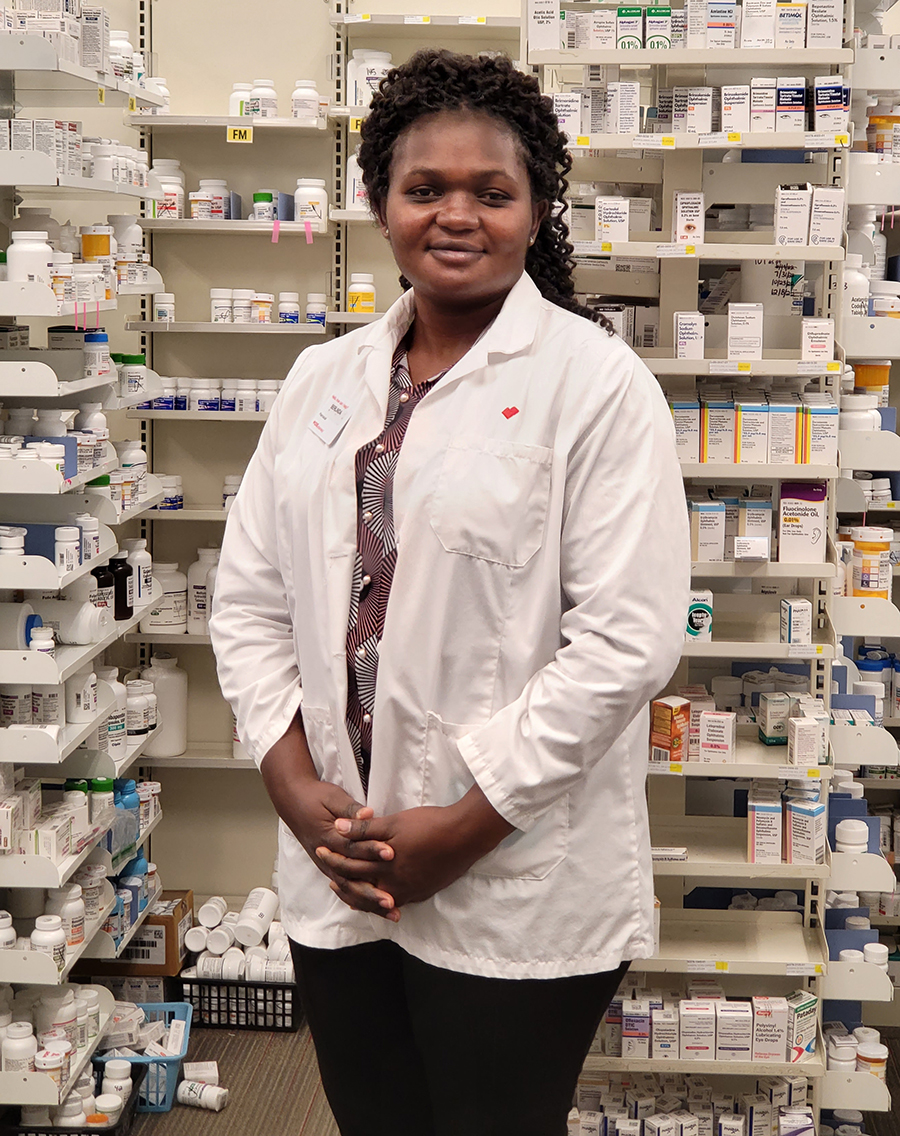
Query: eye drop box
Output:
(717,734)
(690,335)
(612,218)
(624,107)
(805,820)
(798,1087)
(772,717)
(796,621)
(665,1035)
(629,28)
(686,416)
(825,24)
(801,523)
(763,93)
(707,530)
(785,431)
(700,704)
(828,103)
(639,1104)
(826,216)
(758,24)
(792,208)
(636,1032)
(658,28)
(699,118)
(756,1106)
(820,430)
(670,720)
(688,218)
(721,18)
(736,105)
(731,1124)
(776,1091)
(790,24)
(603,30)
(754,517)
(695,36)
(770,1024)
(801,1027)
(679,28)
(764,827)
(679,109)
(745,331)
(751,430)
(734,1031)
(698,627)
(790,104)
(615,1125)
(591,1124)
(706,1120)
(716,430)
(661,1124)
(698,1030)
(567,108)
(688,1124)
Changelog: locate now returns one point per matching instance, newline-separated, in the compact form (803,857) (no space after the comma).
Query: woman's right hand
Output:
(309,807)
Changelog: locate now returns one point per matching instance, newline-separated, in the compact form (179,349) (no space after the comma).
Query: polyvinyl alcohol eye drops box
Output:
(736,107)
(629,28)
(770,1018)
(758,24)
(763,95)
(790,24)
(689,218)
(690,334)
(658,28)
(745,331)
(790,104)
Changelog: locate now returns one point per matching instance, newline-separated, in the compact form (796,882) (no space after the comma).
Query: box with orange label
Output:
(670,721)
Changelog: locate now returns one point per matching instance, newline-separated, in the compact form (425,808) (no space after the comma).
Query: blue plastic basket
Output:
(163,1073)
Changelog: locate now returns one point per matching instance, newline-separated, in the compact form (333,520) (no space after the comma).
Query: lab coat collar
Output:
(512,331)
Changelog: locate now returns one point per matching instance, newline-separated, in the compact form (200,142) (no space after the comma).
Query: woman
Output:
(478,814)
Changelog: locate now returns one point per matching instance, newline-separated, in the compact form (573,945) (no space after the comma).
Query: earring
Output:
(531,242)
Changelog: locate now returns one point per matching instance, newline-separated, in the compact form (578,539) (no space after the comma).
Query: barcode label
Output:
(657,753)
(139,953)
(570,40)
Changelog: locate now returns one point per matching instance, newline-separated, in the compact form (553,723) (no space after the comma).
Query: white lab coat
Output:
(538,604)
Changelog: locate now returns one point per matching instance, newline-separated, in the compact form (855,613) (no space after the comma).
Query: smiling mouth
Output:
(459,256)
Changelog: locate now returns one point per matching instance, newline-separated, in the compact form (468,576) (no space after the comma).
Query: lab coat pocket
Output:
(322,741)
(522,855)
(491,499)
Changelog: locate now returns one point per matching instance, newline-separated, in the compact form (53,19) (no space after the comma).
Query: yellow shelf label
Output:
(834,365)
(721,966)
(132,104)
(606,246)
(238,133)
(842,139)
(813,773)
(734,136)
(675,767)
(355,125)
(744,367)
(101,96)
(691,250)
(668,141)
(583,140)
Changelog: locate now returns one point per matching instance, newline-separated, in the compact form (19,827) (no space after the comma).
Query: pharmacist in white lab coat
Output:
(464,852)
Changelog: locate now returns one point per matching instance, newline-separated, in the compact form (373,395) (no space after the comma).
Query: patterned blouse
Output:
(376,555)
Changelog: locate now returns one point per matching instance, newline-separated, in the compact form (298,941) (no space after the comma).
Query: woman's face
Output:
(459,213)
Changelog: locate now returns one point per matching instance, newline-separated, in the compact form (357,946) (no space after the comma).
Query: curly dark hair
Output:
(434,80)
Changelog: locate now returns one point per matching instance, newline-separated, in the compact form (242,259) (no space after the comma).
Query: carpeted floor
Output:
(274,1083)
(275,1089)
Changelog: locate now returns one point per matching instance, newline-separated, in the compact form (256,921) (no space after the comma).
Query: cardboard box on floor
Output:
(157,948)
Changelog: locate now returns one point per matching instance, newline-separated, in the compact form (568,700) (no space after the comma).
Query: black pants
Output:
(407,1049)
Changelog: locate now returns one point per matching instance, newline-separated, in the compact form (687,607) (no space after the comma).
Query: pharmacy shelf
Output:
(654,247)
(884,920)
(888,783)
(81,311)
(398,26)
(154,284)
(853,1090)
(717,849)
(600,1063)
(200,415)
(605,281)
(92,763)
(40,70)
(231,228)
(27,299)
(660,362)
(31,871)
(869,337)
(40,1088)
(29,478)
(153,494)
(734,648)
(849,497)
(24,381)
(736,942)
(34,968)
(856,982)
(869,449)
(862,871)
(51,745)
(723,140)
(175,123)
(853,615)
(751,759)
(211,514)
(161,637)
(228,328)
(760,570)
(875,70)
(853,746)
(154,389)
(746,471)
(114,864)
(203,755)
(704,57)
(38,573)
(348,319)
(104,946)
(351,216)
(31,170)
(869,184)
(57,509)
(39,669)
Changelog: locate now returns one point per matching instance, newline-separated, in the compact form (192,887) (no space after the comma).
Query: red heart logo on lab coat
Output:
(510,411)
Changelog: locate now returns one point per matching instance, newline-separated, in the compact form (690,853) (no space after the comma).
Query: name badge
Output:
(331,419)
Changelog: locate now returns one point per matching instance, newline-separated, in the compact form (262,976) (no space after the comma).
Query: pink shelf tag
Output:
(276,231)
(309,237)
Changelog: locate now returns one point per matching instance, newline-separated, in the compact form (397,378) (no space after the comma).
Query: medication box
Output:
(658,28)
(689,218)
(734,1031)
(707,530)
(764,831)
(736,102)
(770,1026)
(698,626)
(698,1030)
(690,333)
(665,1034)
(792,208)
(686,417)
(629,28)
(790,24)
(763,92)
(757,25)
(801,523)
(817,339)
(826,217)
(717,733)
(669,729)
(790,104)
(772,717)
(721,20)
(636,1028)
(716,430)
(796,621)
(745,331)
(158,948)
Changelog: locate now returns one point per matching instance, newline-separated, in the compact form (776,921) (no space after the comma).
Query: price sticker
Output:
(646,141)
(101,96)
(721,138)
(473,19)
(355,124)
(606,246)
(132,104)
(706,966)
(583,140)
(417,19)
(665,251)
(842,139)
(667,767)
(796,773)
(354,19)
(242,134)
(668,142)
(803,969)
(813,367)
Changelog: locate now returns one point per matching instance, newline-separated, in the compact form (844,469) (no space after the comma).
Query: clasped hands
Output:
(379,864)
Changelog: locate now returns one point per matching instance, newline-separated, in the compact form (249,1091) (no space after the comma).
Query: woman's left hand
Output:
(432,846)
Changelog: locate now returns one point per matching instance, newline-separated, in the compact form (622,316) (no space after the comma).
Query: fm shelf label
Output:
(239,134)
